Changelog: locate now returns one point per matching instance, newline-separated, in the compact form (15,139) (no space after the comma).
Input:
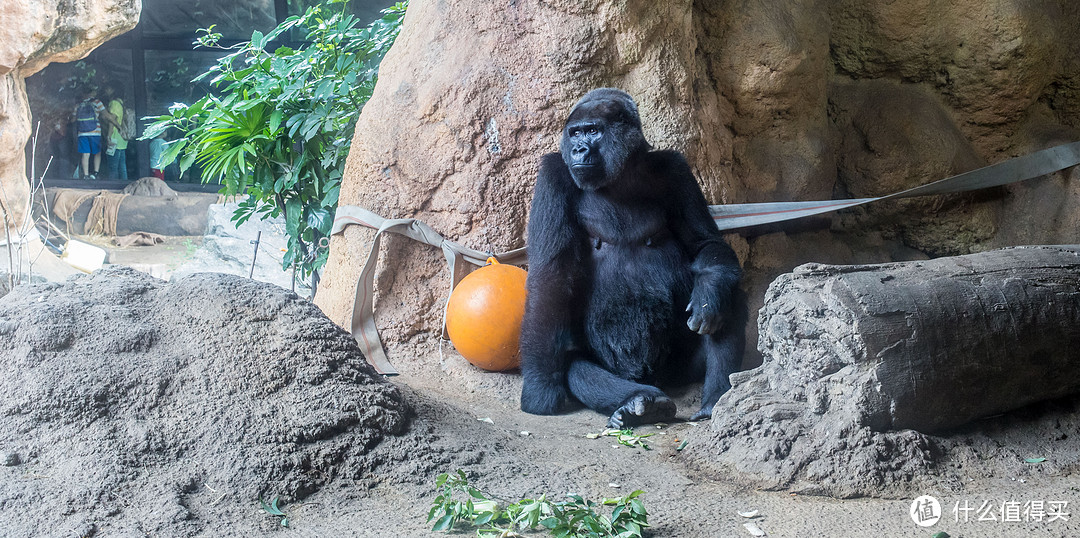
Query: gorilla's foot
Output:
(705,413)
(642,409)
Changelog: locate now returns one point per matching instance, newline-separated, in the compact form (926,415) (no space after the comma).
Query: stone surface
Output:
(861,362)
(227,248)
(770,101)
(38,32)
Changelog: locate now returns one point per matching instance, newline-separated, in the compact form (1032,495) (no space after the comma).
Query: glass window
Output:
(169,74)
(160,52)
(234,19)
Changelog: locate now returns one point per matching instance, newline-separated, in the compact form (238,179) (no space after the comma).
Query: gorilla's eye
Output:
(593,131)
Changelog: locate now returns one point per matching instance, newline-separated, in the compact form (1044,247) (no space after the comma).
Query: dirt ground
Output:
(685,495)
(83,475)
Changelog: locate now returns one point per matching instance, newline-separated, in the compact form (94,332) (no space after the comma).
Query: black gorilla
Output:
(621,247)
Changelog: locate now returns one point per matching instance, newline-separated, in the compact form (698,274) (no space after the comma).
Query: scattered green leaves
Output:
(576,517)
(281,121)
(1034,460)
(625,437)
(273,509)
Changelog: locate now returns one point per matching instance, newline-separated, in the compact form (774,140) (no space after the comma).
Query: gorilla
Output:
(630,283)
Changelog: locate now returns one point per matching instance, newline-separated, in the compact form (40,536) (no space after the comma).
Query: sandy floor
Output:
(684,495)
(683,499)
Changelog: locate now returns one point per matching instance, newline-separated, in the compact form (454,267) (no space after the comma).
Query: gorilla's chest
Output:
(622,222)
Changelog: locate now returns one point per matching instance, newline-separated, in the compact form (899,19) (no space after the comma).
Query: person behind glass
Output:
(60,147)
(157,146)
(115,143)
(88,126)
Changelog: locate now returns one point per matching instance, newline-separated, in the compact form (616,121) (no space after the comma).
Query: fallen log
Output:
(857,357)
(931,344)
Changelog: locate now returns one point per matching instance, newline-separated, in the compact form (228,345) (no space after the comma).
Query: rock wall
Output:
(770,101)
(35,33)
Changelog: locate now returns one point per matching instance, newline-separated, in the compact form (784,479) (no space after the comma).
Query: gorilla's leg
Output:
(720,355)
(628,403)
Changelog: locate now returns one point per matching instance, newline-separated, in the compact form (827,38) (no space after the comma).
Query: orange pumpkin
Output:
(483,316)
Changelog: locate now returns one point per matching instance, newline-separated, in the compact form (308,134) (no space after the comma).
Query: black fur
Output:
(630,282)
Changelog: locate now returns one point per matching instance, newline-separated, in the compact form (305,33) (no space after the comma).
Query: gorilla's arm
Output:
(557,263)
(715,267)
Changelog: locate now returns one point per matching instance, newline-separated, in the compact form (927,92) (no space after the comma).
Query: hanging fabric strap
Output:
(727,217)
(1040,163)
(363,312)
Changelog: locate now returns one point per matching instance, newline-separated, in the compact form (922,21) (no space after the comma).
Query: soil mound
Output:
(134,403)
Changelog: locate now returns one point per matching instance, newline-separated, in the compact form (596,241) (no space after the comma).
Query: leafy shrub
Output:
(279,125)
(575,517)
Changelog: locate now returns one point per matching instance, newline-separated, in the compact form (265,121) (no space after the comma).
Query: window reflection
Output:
(153,67)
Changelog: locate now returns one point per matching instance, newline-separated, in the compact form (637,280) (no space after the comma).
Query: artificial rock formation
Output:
(861,362)
(35,33)
(770,101)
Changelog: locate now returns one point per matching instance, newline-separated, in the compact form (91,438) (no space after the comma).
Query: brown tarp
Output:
(102,217)
(103,211)
(139,239)
(67,202)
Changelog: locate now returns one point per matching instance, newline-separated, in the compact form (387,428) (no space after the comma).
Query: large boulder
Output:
(770,101)
(454,141)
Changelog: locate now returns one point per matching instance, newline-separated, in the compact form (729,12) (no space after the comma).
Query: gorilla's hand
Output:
(706,312)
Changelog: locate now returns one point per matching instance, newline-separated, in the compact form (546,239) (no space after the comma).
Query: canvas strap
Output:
(727,217)
(363,313)
(1040,163)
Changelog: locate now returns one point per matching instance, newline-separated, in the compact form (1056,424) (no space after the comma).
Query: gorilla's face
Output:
(584,139)
(599,137)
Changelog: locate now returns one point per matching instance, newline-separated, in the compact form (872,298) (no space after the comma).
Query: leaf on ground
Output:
(271,508)
(941,534)
(486,419)
(750,514)
(1034,460)
(753,529)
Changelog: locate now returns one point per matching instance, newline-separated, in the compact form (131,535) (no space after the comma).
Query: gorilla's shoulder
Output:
(552,161)
(666,162)
(666,157)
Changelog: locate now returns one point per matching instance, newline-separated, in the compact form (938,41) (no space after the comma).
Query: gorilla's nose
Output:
(581,155)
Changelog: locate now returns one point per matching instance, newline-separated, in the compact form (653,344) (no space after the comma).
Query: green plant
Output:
(273,509)
(575,517)
(280,126)
(625,437)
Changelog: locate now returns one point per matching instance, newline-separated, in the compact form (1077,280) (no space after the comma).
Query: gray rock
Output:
(229,249)
(10,459)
